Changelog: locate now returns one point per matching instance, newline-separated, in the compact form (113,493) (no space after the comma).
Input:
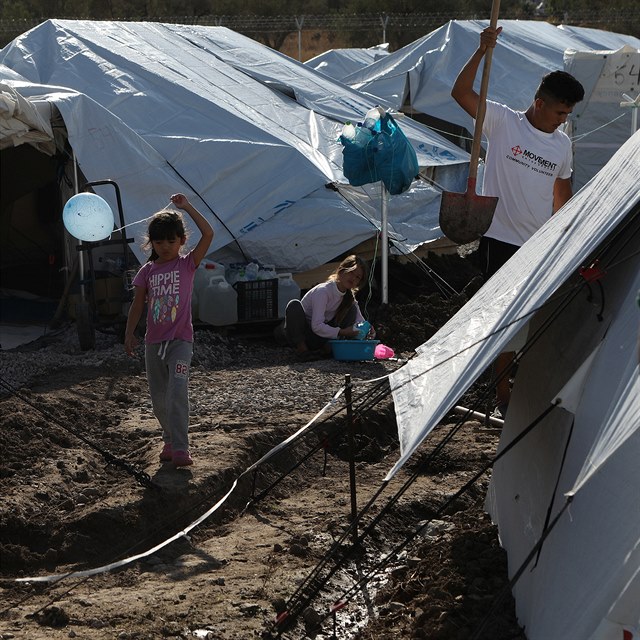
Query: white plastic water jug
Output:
(205,270)
(251,271)
(288,289)
(218,303)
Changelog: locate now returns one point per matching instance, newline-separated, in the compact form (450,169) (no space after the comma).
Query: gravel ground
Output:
(63,509)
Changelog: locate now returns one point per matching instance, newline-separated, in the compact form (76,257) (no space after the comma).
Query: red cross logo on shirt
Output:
(516,150)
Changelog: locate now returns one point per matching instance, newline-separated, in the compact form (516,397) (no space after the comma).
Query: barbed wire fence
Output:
(352,29)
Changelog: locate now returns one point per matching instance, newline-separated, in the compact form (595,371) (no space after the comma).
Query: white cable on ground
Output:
(121,563)
(299,432)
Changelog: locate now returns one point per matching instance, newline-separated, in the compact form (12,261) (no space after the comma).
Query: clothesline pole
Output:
(384,197)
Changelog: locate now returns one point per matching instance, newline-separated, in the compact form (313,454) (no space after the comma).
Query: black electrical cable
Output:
(141,476)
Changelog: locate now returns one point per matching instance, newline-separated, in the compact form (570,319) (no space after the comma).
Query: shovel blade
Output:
(465,217)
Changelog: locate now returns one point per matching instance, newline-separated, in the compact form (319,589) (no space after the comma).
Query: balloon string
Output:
(166,206)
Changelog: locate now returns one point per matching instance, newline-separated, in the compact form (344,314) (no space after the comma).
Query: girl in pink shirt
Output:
(164,283)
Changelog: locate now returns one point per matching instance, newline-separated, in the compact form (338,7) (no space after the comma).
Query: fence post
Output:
(299,23)
(384,20)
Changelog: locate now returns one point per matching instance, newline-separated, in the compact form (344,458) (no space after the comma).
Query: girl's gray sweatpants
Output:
(168,366)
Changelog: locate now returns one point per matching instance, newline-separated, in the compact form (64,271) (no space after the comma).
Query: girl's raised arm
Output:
(206,232)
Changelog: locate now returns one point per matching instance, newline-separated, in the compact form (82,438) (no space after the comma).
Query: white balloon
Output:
(87,216)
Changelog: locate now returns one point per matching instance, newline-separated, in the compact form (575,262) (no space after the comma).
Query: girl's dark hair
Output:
(164,225)
(350,263)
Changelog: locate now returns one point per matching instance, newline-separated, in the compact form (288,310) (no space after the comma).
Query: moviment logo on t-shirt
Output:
(164,290)
(532,160)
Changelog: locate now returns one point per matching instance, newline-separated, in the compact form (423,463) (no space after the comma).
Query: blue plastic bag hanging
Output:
(377,152)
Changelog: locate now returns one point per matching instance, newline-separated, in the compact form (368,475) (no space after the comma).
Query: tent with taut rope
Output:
(569,489)
(250,133)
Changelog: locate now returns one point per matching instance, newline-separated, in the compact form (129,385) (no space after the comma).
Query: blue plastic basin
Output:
(353,349)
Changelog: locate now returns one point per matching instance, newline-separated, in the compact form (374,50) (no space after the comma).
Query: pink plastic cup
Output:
(382,352)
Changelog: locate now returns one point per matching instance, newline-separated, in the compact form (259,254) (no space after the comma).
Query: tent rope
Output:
(371,275)
(444,287)
(573,139)
(555,488)
(445,505)
(206,204)
(313,584)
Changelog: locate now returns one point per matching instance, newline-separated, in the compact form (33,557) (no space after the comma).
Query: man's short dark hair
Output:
(560,86)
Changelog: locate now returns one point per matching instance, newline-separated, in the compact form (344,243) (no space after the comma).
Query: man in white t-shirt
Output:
(528,166)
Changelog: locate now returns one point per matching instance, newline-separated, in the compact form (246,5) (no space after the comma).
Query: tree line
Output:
(344,23)
(152,9)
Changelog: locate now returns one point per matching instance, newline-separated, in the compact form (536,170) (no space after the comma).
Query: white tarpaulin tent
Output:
(253,134)
(339,63)
(607,76)
(581,349)
(422,73)
(22,123)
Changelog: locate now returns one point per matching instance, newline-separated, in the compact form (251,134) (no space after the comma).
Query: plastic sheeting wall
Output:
(587,577)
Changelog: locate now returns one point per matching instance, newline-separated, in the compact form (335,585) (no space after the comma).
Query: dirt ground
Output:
(83,488)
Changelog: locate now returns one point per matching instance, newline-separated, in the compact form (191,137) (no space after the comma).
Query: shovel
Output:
(464,217)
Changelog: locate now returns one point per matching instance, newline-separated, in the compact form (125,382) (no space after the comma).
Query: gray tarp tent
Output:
(424,71)
(581,350)
(254,134)
(340,63)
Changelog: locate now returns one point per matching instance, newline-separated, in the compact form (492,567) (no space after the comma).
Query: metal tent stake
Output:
(352,463)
